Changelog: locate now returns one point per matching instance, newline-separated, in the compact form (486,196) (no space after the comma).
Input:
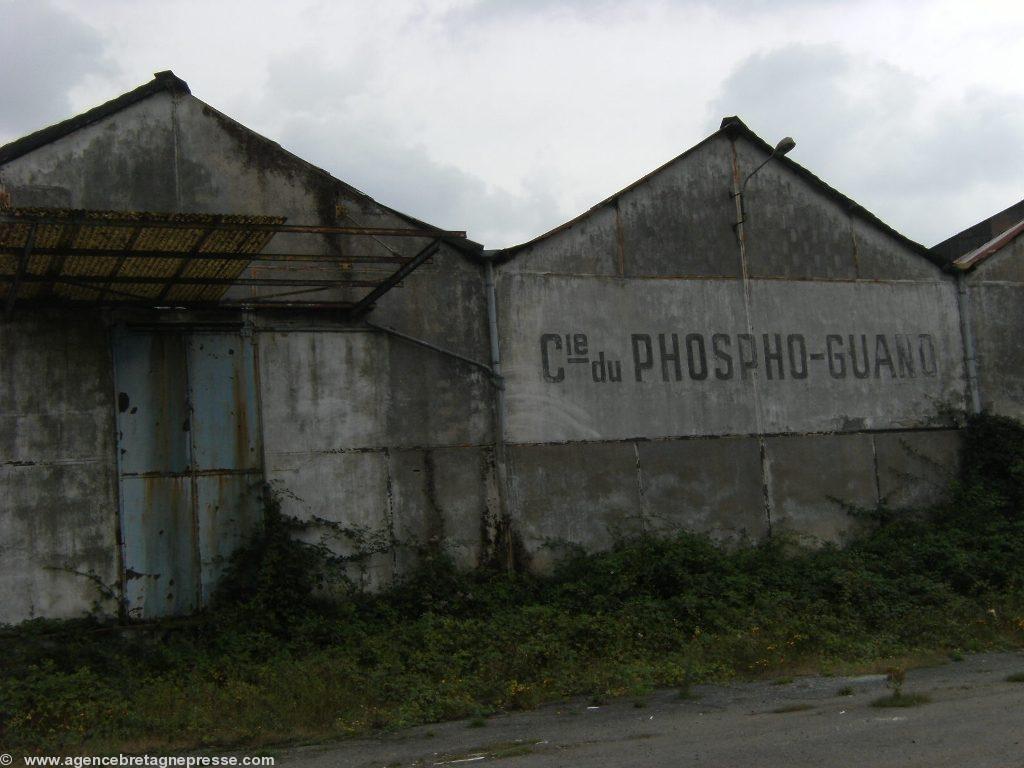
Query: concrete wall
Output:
(58,483)
(391,441)
(995,308)
(659,376)
(651,387)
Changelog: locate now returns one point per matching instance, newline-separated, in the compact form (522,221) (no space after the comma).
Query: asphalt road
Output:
(975,718)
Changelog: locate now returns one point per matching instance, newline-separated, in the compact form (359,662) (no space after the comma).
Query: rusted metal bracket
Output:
(19,276)
(367,302)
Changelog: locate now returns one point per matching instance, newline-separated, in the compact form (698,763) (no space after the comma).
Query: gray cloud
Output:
(47,53)
(926,163)
(332,124)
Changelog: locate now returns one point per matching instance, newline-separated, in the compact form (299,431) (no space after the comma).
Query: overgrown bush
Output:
(275,660)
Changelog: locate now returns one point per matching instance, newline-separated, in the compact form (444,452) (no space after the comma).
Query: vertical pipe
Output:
(741,237)
(967,334)
(499,398)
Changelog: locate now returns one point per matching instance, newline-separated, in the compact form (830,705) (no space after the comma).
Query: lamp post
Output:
(783,147)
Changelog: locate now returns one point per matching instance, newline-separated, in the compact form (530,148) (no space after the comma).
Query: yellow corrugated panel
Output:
(84,230)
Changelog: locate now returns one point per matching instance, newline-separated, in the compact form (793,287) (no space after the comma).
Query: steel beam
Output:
(125,253)
(299,229)
(367,302)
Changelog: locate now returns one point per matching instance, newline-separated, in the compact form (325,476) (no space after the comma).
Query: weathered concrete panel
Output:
(333,390)
(792,229)
(915,469)
(579,494)
(597,358)
(996,318)
(58,499)
(588,247)
(679,221)
(125,162)
(443,498)
(350,492)
(442,302)
(880,257)
(879,356)
(710,486)
(322,391)
(1004,266)
(812,477)
(59,540)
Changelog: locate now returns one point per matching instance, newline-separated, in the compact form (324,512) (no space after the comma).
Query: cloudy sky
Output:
(507,117)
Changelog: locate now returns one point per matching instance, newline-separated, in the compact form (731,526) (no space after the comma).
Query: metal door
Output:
(188,459)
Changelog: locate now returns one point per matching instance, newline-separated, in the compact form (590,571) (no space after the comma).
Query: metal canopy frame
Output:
(58,257)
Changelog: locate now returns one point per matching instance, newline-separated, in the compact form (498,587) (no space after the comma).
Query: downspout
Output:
(501,466)
(967,334)
(736,194)
(492,328)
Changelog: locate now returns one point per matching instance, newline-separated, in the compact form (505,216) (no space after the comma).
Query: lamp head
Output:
(785,145)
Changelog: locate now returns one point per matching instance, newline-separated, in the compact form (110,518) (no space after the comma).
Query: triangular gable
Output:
(168,82)
(733,126)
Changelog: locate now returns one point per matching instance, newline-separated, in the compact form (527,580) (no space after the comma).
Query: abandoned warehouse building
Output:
(195,318)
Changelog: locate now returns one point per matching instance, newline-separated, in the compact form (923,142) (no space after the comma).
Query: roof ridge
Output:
(162,81)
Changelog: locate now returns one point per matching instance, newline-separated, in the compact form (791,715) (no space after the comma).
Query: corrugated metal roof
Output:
(59,265)
(58,256)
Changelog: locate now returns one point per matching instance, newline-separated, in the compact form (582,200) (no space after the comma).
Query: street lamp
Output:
(784,146)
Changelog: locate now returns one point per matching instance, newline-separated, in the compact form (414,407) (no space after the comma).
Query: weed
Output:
(782,681)
(894,678)
(846,690)
(956,656)
(1016,677)
(477,722)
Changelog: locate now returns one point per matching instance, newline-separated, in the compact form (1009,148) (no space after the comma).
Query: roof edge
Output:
(464,245)
(972,259)
(162,81)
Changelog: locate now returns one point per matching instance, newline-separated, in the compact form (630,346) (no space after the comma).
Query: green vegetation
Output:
(275,661)
(1016,677)
(846,690)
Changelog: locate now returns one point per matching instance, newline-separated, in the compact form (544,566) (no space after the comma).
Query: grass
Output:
(846,690)
(900,699)
(1016,677)
(275,662)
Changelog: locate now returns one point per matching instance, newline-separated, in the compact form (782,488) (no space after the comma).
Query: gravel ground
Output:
(974,718)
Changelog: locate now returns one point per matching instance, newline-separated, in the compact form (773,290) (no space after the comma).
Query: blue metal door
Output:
(189,462)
